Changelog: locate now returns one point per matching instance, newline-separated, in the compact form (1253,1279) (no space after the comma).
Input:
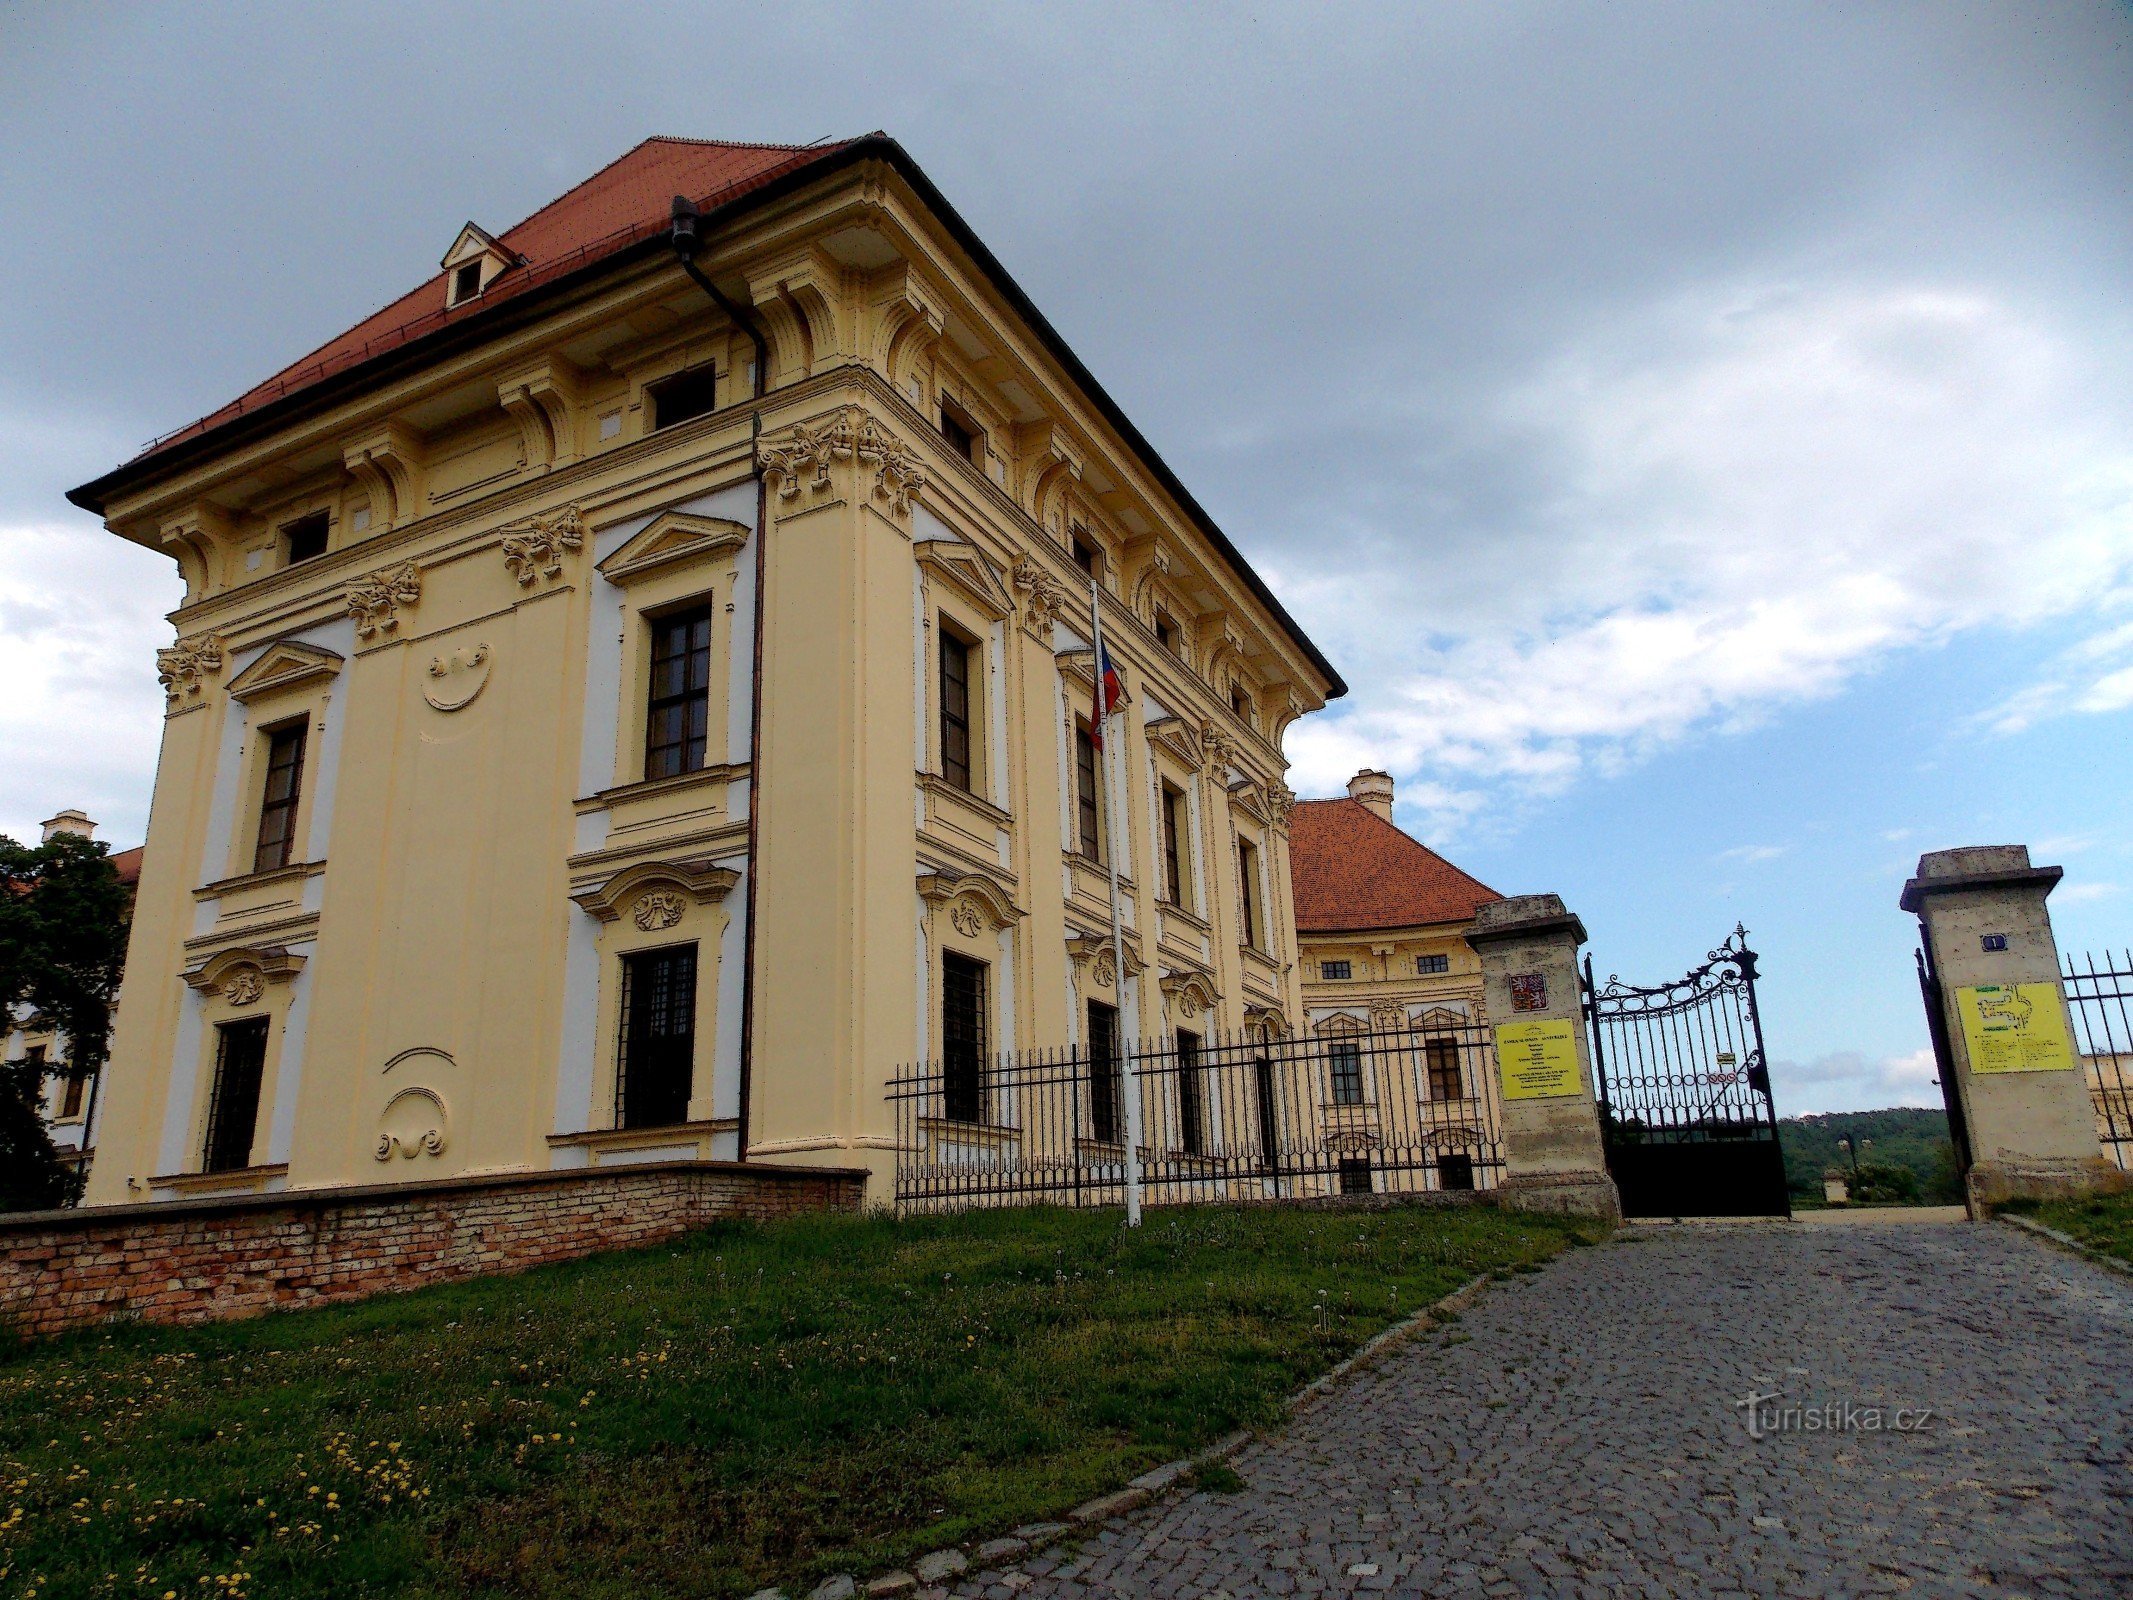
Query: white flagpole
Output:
(1130,1084)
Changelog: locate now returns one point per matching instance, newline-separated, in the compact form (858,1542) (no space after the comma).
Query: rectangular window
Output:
(1445,1082)
(687,394)
(1085,556)
(1426,965)
(1166,633)
(1090,831)
(305,537)
(1192,1112)
(1355,1175)
(955,709)
(1269,1114)
(962,434)
(1106,1084)
(1240,702)
(658,1045)
(71,1094)
(678,713)
(1332,970)
(1455,1171)
(233,1106)
(278,800)
(1174,853)
(466,281)
(962,1038)
(1248,890)
(1345,1058)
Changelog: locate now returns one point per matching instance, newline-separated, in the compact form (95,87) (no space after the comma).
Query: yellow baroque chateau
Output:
(632,694)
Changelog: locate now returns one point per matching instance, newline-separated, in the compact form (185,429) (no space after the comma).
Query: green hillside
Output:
(1902,1136)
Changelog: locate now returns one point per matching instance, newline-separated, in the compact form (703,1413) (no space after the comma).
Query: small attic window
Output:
(475,261)
(687,394)
(1085,553)
(305,537)
(964,436)
(466,281)
(1240,701)
(1166,632)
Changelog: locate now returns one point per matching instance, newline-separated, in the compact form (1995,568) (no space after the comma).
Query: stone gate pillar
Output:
(1553,1156)
(2022,1089)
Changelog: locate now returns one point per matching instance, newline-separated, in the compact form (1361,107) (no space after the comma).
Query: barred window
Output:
(233,1104)
(1332,970)
(1192,1113)
(678,712)
(1426,965)
(1455,1171)
(658,1046)
(962,1038)
(1106,1085)
(1355,1175)
(1345,1058)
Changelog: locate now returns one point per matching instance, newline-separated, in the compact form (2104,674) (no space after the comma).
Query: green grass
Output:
(2103,1223)
(751,1405)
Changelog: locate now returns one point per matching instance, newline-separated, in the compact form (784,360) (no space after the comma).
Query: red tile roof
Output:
(623,202)
(1352,869)
(128,863)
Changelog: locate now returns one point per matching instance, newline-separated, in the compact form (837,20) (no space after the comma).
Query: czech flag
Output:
(1110,695)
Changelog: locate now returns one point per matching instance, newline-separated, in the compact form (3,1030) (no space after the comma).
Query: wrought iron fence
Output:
(1353,1110)
(2101,999)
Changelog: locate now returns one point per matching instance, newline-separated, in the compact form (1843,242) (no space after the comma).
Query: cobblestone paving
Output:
(1578,1434)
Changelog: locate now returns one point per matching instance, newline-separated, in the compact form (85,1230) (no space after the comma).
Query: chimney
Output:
(74,822)
(1374,790)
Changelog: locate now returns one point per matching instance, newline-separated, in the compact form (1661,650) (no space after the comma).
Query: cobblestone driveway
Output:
(1577,1434)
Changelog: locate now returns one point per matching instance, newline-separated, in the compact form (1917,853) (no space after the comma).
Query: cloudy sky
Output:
(1703,435)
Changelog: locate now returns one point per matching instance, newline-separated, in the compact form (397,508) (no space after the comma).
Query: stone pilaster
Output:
(1554,1159)
(2023,1091)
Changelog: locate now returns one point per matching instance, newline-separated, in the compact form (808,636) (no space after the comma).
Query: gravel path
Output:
(1580,1433)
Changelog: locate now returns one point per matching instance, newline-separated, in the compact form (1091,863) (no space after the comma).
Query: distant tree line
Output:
(1909,1161)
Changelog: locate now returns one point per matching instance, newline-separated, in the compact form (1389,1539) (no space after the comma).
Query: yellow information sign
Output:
(1539,1060)
(2015,1027)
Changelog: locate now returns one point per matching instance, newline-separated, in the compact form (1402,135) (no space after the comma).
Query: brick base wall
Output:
(206,1260)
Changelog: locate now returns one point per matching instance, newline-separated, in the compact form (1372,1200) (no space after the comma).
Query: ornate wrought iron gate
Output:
(1684,1091)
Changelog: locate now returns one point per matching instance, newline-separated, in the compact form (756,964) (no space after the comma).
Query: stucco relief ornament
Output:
(185,667)
(536,549)
(966,918)
(244,986)
(413,1125)
(1218,750)
(1104,969)
(456,678)
(1280,800)
(804,457)
(897,474)
(1043,596)
(658,911)
(374,601)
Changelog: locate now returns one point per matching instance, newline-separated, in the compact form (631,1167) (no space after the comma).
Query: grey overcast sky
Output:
(1703,434)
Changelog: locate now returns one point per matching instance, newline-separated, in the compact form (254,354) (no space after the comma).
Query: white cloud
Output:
(81,714)
(1753,853)
(1847,1080)
(2076,893)
(1746,502)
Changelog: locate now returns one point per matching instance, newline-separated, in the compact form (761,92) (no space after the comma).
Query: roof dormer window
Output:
(474,262)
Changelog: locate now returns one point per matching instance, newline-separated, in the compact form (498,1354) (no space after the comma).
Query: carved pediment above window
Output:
(973,901)
(1092,955)
(969,570)
(185,667)
(536,547)
(375,601)
(700,881)
(241,974)
(669,538)
(1078,666)
(285,664)
(1194,991)
(1247,797)
(1269,1021)
(1179,737)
